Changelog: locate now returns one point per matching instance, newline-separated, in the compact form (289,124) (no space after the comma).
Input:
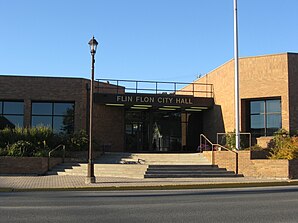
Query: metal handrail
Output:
(135,87)
(212,150)
(53,150)
(241,133)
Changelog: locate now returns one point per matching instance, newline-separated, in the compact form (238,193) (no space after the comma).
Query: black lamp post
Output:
(90,175)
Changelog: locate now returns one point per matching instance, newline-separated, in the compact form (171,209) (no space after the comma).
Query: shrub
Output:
(283,146)
(230,140)
(255,148)
(41,137)
(78,141)
(41,153)
(38,141)
(6,137)
(3,152)
(21,148)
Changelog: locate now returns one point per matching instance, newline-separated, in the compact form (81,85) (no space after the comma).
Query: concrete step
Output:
(187,171)
(103,170)
(183,166)
(154,158)
(197,175)
(108,164)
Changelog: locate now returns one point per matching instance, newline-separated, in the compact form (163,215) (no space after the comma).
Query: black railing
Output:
(53,150)
(153,87)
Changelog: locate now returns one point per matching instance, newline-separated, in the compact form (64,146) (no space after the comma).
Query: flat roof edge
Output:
(37,76)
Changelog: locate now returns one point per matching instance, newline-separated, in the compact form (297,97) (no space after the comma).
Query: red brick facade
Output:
(260,77)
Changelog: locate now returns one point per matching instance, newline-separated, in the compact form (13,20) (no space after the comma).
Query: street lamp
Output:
(90,175)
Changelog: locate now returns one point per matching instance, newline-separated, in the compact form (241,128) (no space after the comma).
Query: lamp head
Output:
(93,45)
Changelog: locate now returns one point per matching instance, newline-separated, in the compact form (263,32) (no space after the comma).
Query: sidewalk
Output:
(18,183)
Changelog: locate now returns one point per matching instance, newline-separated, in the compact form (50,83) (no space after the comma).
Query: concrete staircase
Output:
(154,158)
(187,171)
(148,165)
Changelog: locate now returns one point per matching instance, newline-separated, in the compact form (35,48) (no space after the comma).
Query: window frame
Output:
(265,115)
(3,114)
(53,115)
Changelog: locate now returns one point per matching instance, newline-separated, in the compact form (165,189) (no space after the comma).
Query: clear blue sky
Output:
(173,40)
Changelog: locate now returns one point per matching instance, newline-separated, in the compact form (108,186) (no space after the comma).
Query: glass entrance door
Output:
(136,131)
(134,136)
(153,131)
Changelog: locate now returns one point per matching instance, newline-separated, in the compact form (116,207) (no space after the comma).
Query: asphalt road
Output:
(277,204)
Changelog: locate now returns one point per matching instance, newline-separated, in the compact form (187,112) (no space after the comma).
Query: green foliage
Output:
(21,148)
(78,141)
(3,152)
(41,153)
(255,148)
(38,141)
(231,140)
(283,146)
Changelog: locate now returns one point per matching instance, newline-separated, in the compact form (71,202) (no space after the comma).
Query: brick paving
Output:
(52,182)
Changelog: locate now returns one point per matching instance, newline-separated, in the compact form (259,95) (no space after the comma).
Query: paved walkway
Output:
(69,182)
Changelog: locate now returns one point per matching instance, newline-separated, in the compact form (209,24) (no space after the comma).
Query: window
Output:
(57,115)
(11,114)
(265,117)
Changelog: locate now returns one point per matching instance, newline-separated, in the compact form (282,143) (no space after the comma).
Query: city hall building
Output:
(148,116)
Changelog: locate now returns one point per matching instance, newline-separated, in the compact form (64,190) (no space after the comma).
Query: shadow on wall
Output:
(213,123)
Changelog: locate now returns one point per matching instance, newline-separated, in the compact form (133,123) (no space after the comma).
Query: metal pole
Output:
(90,175)
(236,77)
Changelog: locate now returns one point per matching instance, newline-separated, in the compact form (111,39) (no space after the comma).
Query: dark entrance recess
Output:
(162,131)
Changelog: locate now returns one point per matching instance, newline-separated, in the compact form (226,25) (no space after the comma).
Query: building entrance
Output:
(158,131)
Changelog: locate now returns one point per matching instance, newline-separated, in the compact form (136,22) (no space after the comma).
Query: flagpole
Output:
(236,59)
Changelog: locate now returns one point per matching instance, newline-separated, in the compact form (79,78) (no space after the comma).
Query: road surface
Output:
(271,204)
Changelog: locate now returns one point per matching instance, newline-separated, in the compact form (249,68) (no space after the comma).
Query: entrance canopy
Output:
(166,96)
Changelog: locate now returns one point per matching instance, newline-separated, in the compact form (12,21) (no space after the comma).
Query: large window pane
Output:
(274,121)
(63,108)
(58,125)
(63,124)
(40,108)
(15,108)
(273,106)
(13,121)
(257,107)
(57,115)
(265,117)
(42,120)
(257,122)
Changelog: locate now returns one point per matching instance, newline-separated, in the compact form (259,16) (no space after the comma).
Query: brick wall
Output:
(293,90)
(109,128)
(59,89)
(259,77)
(108,122)
(262,168)
(26,165)
(293,170)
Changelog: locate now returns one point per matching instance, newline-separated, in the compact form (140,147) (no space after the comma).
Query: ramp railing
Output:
(207,145)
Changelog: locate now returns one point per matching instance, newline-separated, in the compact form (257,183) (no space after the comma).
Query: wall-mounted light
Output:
(118,105)
(167,109)
(145,106)
(140,108)
(171,106)
(191,109)
(199,107)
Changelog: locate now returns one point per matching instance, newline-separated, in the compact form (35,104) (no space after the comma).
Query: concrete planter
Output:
(261,168)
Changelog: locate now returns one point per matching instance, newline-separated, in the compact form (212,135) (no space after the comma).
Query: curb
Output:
(156,187)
